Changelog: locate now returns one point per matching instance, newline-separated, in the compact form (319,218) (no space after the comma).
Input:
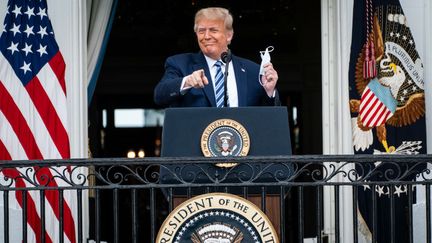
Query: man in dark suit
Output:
(190,78)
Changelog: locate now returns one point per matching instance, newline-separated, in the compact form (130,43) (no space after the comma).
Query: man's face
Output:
(213,38)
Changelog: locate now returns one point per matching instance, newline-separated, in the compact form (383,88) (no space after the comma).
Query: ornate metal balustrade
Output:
(129,198)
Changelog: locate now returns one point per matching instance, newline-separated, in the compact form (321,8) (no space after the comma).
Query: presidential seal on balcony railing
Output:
(217,218)
(224,138)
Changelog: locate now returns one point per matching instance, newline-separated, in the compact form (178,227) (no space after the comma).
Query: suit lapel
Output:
(241,81)
(201,63)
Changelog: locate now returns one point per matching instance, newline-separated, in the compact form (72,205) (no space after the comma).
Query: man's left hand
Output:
(269,79)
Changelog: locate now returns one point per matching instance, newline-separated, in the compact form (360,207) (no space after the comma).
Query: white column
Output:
(419,20)
(68,18)
(336,19)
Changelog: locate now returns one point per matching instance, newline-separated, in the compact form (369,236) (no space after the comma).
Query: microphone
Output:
(226,58)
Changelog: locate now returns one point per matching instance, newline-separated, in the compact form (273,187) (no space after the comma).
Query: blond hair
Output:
(215,13)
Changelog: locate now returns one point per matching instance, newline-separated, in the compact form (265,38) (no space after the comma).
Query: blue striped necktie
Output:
(219,85)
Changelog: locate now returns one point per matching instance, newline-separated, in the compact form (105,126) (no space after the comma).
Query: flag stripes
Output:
(4,154)
(49,116)
(372,111)
(58,66)
(11,144)
(16,120)
(33,218)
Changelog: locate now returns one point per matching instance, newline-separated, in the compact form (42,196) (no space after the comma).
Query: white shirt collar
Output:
(211,62)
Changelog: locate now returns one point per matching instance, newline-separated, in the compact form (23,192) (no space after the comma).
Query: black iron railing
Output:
(129,198)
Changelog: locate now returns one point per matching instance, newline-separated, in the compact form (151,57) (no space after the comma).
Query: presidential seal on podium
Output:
(217,218)
(224,138)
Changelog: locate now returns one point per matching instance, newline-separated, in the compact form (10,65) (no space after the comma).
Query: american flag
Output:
(376,104)
(33,114)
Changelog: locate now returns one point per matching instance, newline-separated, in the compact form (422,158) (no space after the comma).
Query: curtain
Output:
(100,16)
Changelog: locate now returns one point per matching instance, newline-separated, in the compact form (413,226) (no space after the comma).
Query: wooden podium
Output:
(269,135)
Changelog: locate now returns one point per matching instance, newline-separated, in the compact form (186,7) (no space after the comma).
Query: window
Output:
(137,118)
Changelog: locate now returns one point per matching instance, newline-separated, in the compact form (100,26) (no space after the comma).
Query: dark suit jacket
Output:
(249,90)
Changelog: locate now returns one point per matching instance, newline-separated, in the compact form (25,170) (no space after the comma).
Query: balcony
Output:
(127,200)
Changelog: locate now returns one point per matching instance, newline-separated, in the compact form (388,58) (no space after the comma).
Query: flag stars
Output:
(29,12)
(29,31)
(405,92)
(391,34)
(411,42)
(27,49)
(15,29)
(399,190)
(365,187)
(17,11)
(4,28)
(414,88)
(13,47)
(402,99)
(380,190)
(26,67)
(397,35)
(42,13)
(42,32)
(42,50)
(404,38)
(410,81)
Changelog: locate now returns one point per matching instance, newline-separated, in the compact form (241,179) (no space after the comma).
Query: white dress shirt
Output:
(232,85)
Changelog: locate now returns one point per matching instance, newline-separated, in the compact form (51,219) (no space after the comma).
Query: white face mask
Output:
(265,58)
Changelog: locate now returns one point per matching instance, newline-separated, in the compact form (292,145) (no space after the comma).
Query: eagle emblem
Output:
(394,95)
(226,143)
(217,233)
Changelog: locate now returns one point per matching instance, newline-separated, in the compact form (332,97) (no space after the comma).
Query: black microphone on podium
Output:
(226,58)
